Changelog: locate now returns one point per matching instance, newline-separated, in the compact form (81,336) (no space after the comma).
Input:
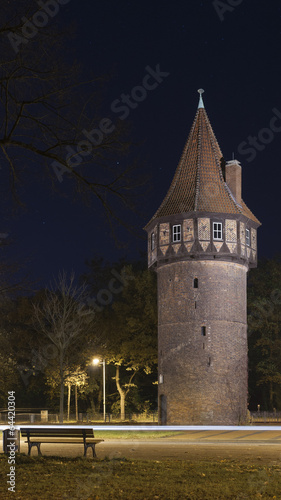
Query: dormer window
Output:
(248,237)
(176,233)
(217,230)
(152,241)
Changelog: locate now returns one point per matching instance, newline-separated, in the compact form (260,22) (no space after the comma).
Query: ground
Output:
(192,466)
(263,447)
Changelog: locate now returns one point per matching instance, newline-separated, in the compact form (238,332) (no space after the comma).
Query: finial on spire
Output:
(201,103)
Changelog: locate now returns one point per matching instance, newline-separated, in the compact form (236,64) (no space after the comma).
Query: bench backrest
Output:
(47,432)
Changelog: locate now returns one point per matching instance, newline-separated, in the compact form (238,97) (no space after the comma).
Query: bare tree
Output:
(65,321)
(51,116)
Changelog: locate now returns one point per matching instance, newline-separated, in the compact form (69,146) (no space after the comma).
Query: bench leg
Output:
(90,445)
(34,444)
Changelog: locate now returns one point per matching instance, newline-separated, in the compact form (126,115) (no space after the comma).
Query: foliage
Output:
(131,325)
(264,326)
(130,331)
(8,372)
(128,323)
(17,343)
(78,377)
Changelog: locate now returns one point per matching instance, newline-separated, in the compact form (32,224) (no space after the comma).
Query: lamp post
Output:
(97,361)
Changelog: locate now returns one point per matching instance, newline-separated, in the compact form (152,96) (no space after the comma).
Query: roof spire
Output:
(198,185)
(201,103)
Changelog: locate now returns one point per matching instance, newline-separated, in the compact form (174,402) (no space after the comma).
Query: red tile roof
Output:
(198,183)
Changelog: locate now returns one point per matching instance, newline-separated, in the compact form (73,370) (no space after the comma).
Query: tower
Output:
(201,241)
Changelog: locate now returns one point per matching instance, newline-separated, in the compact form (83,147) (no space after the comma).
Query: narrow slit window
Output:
(209,362)
(195,283)
(248,238)
(217,230)
(203,331)
(152,241)
(176,233)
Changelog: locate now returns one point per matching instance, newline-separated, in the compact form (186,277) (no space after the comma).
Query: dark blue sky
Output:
(233,54)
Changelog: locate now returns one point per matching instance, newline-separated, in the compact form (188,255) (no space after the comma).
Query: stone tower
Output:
(202,240)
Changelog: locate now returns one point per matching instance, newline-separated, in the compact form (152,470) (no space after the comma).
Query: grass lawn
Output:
(135,434)
(88,479)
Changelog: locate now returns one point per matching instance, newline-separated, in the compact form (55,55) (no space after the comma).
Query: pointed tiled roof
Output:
(198,183)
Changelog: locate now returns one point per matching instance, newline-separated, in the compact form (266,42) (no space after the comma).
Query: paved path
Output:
(256,447)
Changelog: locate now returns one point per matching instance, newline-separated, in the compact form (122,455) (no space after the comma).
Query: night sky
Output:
(232,52)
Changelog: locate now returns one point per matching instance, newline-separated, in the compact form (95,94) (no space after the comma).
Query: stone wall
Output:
(202,342)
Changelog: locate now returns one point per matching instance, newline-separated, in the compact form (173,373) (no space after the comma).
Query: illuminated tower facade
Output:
(202,241)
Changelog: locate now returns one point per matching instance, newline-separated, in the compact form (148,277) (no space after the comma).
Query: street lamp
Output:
(97,361)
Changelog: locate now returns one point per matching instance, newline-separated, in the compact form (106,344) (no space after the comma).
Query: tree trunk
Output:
(93,408)
(271,395)
(76,403)
(61,400)
(68,401)
(99,399)
(61,389)
(122,393)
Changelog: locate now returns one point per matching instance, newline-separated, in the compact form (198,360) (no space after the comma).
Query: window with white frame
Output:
(248,237)
(217,230)
(176,233)
(152,241)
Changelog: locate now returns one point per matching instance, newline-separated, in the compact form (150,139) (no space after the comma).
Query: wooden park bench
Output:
(60,435)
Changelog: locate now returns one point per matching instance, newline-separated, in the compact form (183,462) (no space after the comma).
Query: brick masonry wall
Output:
(204,371)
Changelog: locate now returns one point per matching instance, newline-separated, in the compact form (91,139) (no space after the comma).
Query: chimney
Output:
(233,178)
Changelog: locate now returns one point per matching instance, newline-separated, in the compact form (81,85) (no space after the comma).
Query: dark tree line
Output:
(50,339)
(264,331)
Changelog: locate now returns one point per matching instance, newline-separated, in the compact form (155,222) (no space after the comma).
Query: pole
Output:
(103,372)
